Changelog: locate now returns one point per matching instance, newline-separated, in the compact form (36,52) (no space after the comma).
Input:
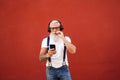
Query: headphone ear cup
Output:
(61,28)
(49,29)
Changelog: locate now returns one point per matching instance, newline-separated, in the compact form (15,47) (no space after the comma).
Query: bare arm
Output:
(44,55)
(70,47)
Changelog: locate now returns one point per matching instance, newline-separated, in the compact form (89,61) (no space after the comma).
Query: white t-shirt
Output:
(56,59)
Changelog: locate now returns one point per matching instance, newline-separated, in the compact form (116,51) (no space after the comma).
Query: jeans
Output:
(61,73)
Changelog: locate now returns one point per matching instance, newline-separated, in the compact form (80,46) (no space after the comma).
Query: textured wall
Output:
(93,26)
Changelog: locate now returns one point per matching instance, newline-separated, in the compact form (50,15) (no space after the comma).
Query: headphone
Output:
(61,26)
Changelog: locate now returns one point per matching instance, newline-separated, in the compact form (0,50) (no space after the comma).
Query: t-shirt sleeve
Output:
(44,43)
(68,38)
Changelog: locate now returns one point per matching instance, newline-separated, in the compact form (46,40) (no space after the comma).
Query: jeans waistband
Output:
(50,67)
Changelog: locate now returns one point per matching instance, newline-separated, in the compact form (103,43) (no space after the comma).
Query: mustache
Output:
(54,36)
(56,33)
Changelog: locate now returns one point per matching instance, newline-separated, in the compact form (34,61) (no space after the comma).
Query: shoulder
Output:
(45,38)
(44,42)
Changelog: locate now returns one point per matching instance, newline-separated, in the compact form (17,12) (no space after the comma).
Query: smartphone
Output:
(52,46)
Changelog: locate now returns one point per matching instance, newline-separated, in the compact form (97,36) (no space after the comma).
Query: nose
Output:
(54,30)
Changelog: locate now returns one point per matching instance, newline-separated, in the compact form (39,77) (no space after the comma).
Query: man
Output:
(53,49)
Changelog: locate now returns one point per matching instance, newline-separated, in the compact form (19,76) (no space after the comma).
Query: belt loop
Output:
(49,64)
(64,63)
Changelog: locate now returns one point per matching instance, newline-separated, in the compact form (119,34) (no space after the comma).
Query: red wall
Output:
(93,26)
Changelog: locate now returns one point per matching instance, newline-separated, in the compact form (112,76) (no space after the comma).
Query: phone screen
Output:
(52,46)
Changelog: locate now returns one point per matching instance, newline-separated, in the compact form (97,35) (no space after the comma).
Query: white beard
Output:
(54,37)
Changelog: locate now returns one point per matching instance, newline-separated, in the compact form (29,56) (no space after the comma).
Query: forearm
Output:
(70,47)
(44,57)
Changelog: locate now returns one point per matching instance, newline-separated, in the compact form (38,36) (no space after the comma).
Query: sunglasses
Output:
(52,28)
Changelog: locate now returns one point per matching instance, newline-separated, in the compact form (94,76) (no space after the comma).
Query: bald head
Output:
(54,24)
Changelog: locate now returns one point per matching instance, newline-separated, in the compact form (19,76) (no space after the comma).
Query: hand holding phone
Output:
(51,51)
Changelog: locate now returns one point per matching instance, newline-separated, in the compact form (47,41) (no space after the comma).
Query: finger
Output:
(58,32)
(52,49)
